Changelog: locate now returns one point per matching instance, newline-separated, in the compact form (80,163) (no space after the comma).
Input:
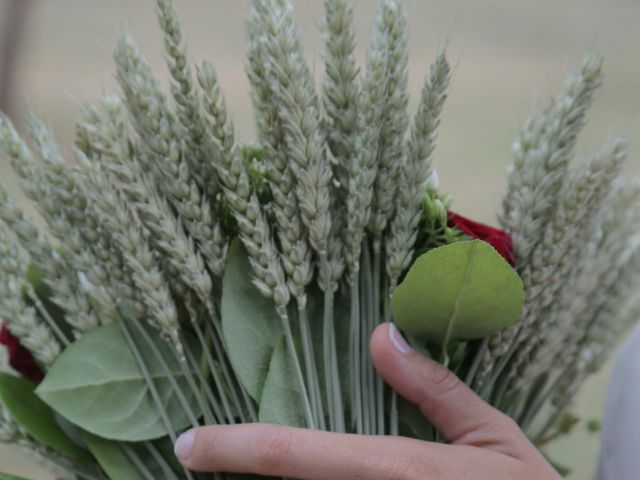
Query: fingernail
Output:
(182,448)
(398,341)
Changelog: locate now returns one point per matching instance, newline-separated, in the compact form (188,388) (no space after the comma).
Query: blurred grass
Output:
(509,57)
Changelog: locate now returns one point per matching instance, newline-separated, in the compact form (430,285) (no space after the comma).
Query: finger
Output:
(453,408)
(280,451)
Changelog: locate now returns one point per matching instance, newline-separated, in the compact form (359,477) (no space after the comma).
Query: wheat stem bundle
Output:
(186,278)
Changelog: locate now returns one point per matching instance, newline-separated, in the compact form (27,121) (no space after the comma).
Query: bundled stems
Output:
(220,352)
(135,459)
(152,388)
(366,315)
(374,321)
(217,380)
(165,369)
(201,369)
(380,386)
(167,471)
(336,184)
(311,368)
(248,403)
(293,352)
(328,364)
(354,355)
(332,375)
(475,365)
(328,282)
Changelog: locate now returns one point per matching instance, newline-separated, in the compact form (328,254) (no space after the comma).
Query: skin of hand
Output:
(484,444)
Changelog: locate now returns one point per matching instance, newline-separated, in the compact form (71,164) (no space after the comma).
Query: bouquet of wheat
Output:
(187,279)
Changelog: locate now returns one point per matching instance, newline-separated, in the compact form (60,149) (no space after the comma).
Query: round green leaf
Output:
(32,414)
(97,385)
(250,324)
(464,290)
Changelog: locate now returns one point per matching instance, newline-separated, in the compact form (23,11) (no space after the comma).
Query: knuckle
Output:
(443,380)
(505,427)
(509,424)
(274,448)
(504,434)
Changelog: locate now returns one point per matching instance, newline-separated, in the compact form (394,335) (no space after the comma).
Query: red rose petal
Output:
(20,358)
(499,239)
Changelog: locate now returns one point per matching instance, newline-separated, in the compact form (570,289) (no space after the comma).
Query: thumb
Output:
(453,408)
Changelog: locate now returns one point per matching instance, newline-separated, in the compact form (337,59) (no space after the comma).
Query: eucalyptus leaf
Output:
(281,400)
(38,420)
(111,458)
(97,385)
(461,291)
(250,324)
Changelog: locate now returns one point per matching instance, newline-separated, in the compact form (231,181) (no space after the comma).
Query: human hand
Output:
(484,444)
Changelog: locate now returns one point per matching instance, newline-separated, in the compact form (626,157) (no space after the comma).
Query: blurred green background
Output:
(510,56)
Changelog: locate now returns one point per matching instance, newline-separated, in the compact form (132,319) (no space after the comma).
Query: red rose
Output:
(20,358)
(498,239)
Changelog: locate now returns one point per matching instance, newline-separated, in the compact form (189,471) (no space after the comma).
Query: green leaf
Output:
(32,414)
(250,324)
(281,400)
(97,385)
(111,458)
(461,291)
